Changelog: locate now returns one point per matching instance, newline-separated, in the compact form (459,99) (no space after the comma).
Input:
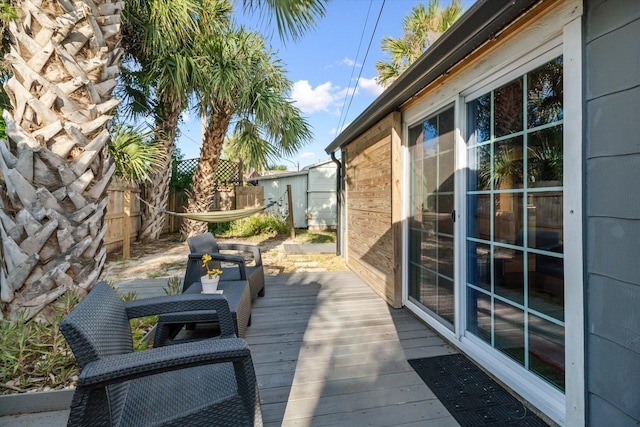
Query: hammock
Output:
(218,216)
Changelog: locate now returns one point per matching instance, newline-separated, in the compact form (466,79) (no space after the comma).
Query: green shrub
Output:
(174,286)
(256,225)
(219,228)
(35,355)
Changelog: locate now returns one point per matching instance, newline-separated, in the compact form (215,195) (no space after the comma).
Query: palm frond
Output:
(420,29)
(134,152)
(293,17)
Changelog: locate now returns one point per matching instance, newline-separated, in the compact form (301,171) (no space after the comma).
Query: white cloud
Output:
(185,116)
(308,155)
(370,86)
(346,93)
(328,97)
(349,62)
(309,99)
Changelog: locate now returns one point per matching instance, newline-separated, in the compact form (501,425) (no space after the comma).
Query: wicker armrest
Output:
(181,303)
(253,249)
(216,256)
(176,303)
(124,367)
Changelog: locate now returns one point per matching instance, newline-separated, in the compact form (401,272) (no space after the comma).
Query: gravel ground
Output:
(165,258)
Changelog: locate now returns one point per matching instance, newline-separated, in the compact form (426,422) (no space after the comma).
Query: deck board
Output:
(328,351)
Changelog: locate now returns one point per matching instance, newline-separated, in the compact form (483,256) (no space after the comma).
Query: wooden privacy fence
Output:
(123,215)
(124,203)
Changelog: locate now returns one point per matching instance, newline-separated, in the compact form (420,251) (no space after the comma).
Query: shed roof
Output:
(304,171)
(481,23)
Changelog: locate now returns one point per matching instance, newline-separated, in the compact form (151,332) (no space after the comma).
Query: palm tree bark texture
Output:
(54,167)
(204,186)
(156,191)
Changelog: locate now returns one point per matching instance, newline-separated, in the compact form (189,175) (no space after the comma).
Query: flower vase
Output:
(209,284)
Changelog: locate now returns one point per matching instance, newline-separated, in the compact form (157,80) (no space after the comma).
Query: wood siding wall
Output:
(372,237)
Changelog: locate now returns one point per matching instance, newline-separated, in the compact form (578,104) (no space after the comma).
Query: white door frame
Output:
(564,408)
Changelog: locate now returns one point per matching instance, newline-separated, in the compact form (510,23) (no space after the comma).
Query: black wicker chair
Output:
(206,243)
(208,382)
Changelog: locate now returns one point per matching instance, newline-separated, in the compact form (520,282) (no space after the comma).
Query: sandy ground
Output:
(166,258)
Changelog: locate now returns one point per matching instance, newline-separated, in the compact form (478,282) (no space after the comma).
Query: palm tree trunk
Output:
(204,178)
(54,168)
(157,189)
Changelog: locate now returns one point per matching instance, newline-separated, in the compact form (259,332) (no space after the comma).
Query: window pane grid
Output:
(522,307)
(515,170)
(431,233)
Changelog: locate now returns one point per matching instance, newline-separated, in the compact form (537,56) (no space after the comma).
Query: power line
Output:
(363,63)
(355,64)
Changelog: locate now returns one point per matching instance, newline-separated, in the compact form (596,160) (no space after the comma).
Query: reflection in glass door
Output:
(515,239)
(431,228)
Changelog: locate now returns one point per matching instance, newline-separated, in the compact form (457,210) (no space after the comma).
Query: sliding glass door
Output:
(431,224)
(515,239)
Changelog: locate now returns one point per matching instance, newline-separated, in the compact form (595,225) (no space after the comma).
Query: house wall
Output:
(537,37)
(373,238)
(612,191)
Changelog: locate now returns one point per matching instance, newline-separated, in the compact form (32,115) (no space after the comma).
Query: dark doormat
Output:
(470,395)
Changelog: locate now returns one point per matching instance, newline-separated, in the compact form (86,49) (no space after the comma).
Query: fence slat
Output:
(116,216)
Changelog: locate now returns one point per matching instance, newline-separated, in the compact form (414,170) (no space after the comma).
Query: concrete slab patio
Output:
(309,248)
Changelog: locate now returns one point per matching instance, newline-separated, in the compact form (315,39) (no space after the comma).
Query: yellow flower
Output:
(205,264)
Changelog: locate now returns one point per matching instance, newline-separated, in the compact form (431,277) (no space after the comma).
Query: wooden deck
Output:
(328,351)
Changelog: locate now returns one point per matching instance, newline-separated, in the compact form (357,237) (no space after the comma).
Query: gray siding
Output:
(276,187)
(612,192)
(322,196)
(314,194)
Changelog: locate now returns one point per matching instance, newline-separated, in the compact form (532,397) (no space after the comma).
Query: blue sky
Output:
(324,66)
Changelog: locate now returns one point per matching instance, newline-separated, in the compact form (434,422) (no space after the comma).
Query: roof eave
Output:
(490,16)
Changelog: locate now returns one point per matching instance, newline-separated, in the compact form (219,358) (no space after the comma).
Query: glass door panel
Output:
(514,242)
(431,231)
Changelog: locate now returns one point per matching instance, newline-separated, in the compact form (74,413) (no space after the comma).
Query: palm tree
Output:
(240,82)
(165,58)
(160,38)
(7,14)
(421,28)
(293,17)
(55,168)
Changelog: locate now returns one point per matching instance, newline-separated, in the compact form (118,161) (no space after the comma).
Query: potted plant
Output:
(211,278)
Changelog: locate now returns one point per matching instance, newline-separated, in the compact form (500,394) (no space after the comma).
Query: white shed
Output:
(313,192)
